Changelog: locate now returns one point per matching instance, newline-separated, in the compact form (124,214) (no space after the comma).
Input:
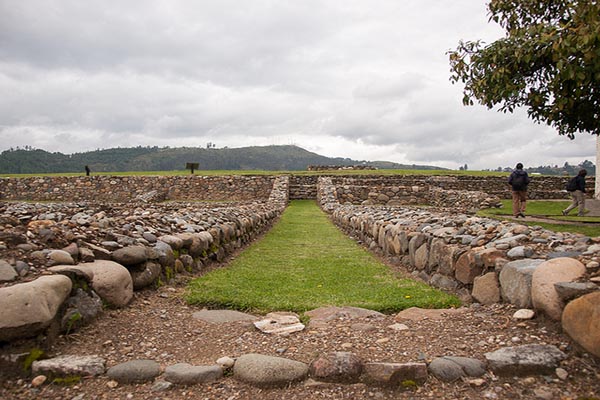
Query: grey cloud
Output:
(367,80)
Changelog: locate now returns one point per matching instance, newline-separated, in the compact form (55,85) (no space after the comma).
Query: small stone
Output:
(399,327)
(39,380)
(161,386)
(592,265)
(524,314)
(561,373)
(543,393)
(226,362)
(112,384)
(478,382)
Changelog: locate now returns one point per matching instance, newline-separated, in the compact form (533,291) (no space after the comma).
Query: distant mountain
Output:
(269,158)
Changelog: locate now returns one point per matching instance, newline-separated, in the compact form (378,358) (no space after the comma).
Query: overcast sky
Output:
(364,79)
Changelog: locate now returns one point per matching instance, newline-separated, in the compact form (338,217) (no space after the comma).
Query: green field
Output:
(385,172)
(550,212)
(305,262)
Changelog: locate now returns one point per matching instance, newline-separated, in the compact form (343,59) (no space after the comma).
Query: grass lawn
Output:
(305,262)
(551,210)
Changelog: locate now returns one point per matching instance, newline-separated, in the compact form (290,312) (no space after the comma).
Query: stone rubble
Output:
(480,259)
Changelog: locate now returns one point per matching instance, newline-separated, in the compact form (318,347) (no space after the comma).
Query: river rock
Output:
(530,359)
(186,374)
(515,280)
(261,370)
(336,367)
(543,294)
(581,321)
(60,257)
(486,289)
(135,371)
(7,272)
(130,255)
(394,374)
(110,280)
(28,308)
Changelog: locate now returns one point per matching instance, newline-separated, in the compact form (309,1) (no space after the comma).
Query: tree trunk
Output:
(597,181)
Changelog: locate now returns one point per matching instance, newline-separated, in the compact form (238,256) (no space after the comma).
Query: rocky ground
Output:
(159,325)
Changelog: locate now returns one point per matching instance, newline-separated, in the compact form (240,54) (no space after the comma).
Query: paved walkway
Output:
(593,206)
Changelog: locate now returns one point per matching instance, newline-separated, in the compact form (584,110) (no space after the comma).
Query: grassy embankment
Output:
(305,262)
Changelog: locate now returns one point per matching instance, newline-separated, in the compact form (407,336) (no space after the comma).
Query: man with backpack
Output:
(576,187)
(518,180)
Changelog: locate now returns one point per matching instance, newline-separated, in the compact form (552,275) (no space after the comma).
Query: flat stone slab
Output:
(418,314)
(70,365)
(223,316)
(280,323)
(186,374)
(320,317)
(532,359)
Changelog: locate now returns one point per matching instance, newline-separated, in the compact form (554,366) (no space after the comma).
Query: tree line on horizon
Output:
(29,160)
(565,170)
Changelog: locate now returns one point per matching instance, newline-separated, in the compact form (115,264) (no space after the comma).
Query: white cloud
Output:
(346,78)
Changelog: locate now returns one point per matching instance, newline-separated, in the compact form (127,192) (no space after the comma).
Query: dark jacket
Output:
(580,183)
(519,180)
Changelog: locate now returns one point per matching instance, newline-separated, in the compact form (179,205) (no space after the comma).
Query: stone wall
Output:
(355,189)
(417,189)
(464,253)
(303,187)
(127,188)
(134,245)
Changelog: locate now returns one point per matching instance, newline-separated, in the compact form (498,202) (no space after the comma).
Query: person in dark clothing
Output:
(577,194)
(87,171)
(518,180)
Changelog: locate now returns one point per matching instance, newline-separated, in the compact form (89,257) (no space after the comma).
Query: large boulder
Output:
(261,370)
(28,308)
(515,281)
(110,280)
(338,366)
(543,293)
(486,289)
(581,321)
(531,359)
(130,255)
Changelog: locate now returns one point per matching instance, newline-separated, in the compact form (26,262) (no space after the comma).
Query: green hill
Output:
(269,158)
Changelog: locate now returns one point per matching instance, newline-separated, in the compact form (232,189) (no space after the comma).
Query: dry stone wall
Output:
(303,187)
(481,259)
(438,190)
(127,188)
(115,248)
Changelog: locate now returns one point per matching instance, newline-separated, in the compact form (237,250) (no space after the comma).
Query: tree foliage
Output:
(548,62)
(272,158)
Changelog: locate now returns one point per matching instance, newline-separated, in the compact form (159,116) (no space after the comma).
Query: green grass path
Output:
(305,262)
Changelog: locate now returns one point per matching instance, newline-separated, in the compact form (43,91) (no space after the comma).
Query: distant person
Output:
(87,171)
(518,180)
(576,187)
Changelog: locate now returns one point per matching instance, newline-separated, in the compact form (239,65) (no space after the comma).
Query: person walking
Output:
(518,180)
(576,187)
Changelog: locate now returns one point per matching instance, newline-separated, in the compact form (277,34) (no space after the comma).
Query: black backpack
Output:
(572,185)
(518,182)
